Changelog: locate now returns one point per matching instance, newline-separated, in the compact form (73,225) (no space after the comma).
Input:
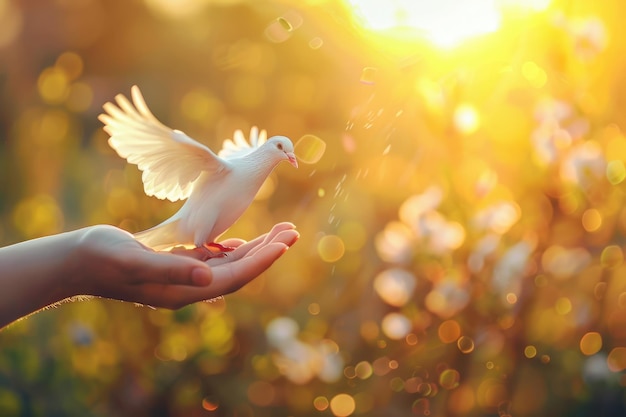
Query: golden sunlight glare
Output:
(445,23)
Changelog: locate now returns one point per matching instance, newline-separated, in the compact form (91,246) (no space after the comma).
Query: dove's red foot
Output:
(217,248)
(214,250)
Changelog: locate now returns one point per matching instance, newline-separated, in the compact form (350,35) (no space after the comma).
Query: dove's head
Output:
(282,148)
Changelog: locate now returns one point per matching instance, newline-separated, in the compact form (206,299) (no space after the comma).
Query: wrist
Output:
(83,259)
(67,278)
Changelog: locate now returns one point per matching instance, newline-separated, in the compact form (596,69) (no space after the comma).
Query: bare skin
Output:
(108,262)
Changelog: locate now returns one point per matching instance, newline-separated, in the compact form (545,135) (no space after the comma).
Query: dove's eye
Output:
(279,146)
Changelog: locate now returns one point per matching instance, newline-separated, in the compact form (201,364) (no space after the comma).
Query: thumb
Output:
(170,269)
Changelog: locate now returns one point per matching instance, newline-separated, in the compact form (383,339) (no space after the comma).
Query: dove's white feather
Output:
(171,161)
(218,189)
(238,146)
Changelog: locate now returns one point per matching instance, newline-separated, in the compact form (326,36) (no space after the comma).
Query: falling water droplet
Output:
(280,29)
(368,75)
(285,24)
(316,43)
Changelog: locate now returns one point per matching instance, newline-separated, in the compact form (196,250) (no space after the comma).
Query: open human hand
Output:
(119,267)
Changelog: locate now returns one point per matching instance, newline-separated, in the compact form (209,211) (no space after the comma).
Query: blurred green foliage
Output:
(462,236)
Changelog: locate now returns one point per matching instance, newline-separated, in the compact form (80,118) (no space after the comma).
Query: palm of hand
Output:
(122,268)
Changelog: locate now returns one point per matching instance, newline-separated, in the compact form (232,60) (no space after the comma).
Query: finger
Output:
(232,242)
(270,236)
(280,227)
(287,237)
(248,247)
(170,269)
(244,248)
(235,255)
(276,229)
(283,235)
(241,248)
(230,277)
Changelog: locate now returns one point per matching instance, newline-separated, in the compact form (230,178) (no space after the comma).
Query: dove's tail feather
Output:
(161,237)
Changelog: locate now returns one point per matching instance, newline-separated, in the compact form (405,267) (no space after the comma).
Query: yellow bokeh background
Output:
(460,199)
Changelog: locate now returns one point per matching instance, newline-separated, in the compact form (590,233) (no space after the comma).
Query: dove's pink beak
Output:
(292,159)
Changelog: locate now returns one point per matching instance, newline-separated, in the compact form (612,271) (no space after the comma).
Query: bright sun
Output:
(446,23)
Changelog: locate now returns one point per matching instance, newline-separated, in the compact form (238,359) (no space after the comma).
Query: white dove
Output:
(218,189)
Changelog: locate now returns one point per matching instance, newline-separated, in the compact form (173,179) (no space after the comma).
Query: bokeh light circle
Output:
(449,379)
(396,326)
(465,344)
(421,407)
(591,343)
(395,286)
(449,331)
(342,405)
(612,256)
(321,403)
(617,359)
(330,248)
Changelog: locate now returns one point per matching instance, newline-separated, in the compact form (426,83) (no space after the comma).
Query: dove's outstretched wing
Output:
(171,161)
(238,146)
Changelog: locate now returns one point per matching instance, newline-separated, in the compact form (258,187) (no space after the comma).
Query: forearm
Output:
(35,274)
(106,261)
